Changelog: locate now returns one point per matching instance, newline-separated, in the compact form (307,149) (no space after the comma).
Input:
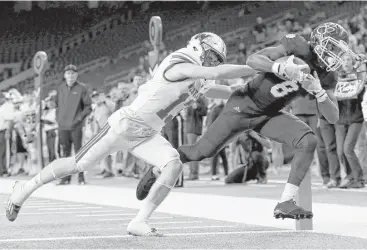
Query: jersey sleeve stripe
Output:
(188,57)
(177,59)
(168,68)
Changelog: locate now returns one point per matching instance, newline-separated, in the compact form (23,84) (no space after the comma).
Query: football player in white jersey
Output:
(179,79)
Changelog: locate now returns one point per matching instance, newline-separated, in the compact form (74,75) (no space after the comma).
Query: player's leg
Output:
(158,152)
(77,138)
(288,129)
(234,119)
(101,145)
(228,124)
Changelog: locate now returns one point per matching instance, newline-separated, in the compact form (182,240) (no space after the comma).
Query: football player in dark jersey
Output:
(258,106)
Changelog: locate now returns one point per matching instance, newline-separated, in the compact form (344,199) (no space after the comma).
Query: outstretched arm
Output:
(184,71)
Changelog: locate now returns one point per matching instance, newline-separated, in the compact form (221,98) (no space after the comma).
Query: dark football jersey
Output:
(271,94)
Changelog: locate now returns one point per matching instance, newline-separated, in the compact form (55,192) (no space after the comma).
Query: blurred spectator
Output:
(259,30)
(6,122)
(73,105)
(349,125)
(50,127)
(101,113)
(254,162)
(306,30)
(20,140)
(194,127)
(289,26)
(215,110)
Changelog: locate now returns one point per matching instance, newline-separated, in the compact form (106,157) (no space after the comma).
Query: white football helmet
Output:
(202,42)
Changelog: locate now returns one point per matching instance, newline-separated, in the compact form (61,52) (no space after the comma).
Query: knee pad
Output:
(170,155)
(170,174)
(307,142)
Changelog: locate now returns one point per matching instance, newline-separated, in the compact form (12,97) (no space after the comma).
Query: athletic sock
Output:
(289,193)
(30,186)
(145,212)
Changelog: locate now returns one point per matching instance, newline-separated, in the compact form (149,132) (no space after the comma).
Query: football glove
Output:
(313,86)
(360,59)
(290,70)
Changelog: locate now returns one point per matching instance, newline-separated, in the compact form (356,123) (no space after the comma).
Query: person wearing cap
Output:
(73,105)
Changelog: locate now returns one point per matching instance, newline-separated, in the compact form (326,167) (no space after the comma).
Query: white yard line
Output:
(129,236)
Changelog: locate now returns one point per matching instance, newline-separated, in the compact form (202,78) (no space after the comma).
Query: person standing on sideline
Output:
(101,114)
(6,123)
(73,105)
(50,127)
(194,128)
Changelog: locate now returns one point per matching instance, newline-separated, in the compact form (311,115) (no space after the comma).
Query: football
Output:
(297,61)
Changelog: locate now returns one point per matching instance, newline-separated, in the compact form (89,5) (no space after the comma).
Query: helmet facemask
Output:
(331,52)
(329,42)
(212,59)
(206,45)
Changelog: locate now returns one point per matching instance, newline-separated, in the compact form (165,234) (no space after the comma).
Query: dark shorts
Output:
(19,144)
(241,114)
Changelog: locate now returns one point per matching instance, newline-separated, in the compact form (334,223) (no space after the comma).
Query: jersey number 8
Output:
(283,89)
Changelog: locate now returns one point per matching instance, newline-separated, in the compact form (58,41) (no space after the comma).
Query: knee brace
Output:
(170,174)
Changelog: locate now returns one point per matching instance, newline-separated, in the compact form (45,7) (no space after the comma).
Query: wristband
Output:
(275,68)
(321,96)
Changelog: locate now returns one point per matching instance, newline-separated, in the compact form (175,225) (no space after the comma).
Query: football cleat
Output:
(145,184)
(289,209)
(141,228)
(13,207)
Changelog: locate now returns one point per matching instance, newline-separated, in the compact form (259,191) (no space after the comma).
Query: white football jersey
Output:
(159,99)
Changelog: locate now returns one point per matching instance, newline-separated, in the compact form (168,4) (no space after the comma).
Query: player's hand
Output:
(291,70)
(313,86)
(360,59)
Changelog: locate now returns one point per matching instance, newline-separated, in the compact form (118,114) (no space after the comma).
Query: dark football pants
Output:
(240,114)
(66,139)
